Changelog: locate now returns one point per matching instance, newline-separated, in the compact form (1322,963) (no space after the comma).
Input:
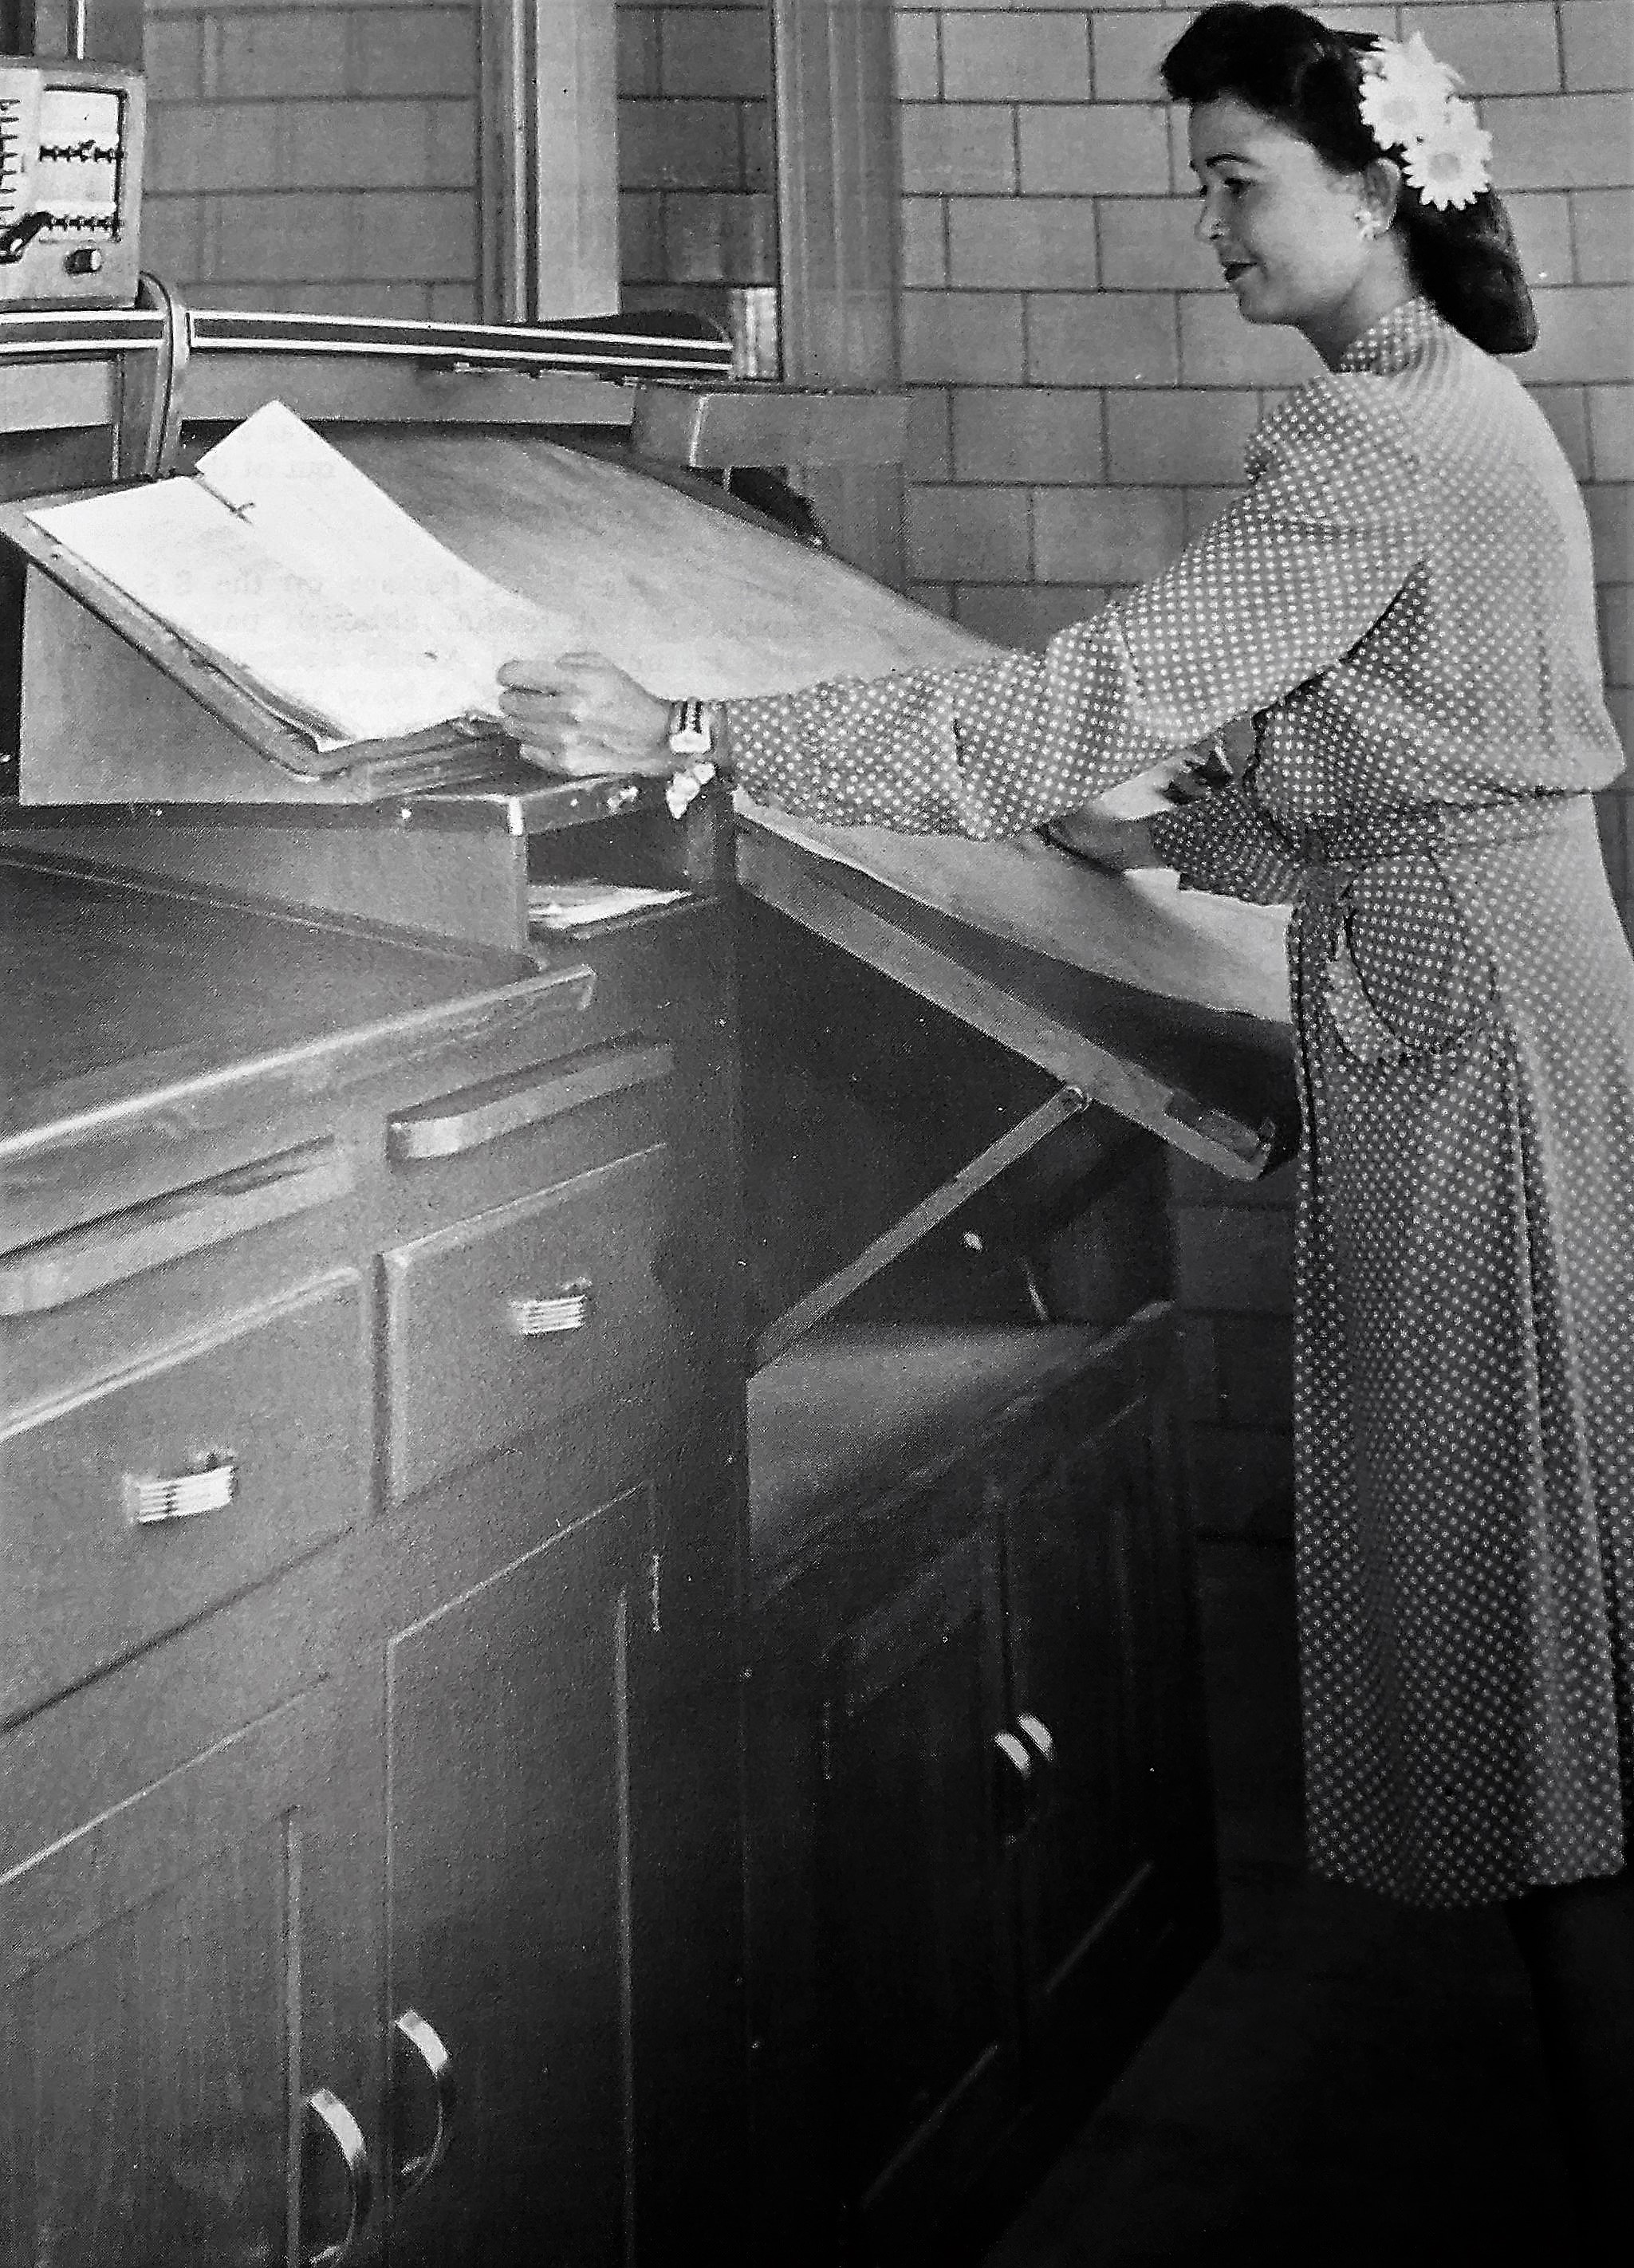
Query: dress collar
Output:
(1397,338)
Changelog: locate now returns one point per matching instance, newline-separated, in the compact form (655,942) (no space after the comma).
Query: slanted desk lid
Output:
(1170,1008)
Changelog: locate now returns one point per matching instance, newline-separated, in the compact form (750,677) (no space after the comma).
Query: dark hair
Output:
(1288,66)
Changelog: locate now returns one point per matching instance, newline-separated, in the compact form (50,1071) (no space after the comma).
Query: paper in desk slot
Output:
(578,905)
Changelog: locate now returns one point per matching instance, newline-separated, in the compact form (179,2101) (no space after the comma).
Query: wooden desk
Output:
(371,1512)
(482,1560)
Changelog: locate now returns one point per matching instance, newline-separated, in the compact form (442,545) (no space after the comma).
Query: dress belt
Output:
(1357,838)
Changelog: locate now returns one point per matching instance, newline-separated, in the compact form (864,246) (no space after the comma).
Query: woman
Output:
(1403,597)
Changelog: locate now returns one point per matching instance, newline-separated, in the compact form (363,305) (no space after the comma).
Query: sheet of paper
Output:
(304,500)
(183,556)
(575,905)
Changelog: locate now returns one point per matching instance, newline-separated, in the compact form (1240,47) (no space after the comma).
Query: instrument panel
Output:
(70,183)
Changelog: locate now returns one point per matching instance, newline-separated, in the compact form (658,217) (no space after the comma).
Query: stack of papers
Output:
(286,568)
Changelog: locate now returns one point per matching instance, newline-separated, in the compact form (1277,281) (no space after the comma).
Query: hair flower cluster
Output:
(1410,104)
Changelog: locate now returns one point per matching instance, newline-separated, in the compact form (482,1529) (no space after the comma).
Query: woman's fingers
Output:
(580,714)
(1097,838)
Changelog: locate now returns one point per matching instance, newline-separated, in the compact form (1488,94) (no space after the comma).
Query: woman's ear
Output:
(1381,188)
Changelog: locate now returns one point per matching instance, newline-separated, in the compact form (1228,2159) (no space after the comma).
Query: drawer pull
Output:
(479,1115)
(152,1499)
(162,1229)
(412,2028)
(326,2111)
(566,1310)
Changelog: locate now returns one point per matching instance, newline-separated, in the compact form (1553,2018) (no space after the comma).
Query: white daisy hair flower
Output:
(1453,168)
(1410,106)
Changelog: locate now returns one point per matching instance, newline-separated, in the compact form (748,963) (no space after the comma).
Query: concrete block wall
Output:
(319,154)
(324,153)
(697,165)
(1083,389)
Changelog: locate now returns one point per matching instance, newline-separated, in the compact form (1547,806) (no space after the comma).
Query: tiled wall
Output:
(315,153)
(1083,390)
(697,210)
(324,153)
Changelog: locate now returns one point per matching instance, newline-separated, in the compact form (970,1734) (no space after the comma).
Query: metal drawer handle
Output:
(460,1123)
(326,2109)
(413,2029)
(1037,1735)
(566,1310)
(152,1498)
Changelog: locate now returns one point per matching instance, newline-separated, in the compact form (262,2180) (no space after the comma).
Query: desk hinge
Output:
(653,1577)
(826,1737)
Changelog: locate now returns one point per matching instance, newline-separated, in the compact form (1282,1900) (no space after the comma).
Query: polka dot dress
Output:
(1403,598)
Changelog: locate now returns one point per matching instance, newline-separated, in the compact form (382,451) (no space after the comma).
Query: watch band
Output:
(691,730)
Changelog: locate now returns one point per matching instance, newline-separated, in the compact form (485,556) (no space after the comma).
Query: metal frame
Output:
(549,146)
(837,219)
(142,356)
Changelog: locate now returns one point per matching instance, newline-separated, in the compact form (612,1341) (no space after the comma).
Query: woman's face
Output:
(1283,224)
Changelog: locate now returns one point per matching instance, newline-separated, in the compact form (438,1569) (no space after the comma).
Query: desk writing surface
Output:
(115,988)
(709,602)
(688,599)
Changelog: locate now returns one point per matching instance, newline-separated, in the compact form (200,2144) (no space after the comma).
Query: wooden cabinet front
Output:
(150,1983)
(144,1497)
(918,1882)
(979,1689)
(1099,1621)
(508,1906)
(524,1315)
(370,1865)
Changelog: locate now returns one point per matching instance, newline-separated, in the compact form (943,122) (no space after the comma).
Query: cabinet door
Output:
(508,1906)
(149,1996)
(1099,1608)
(918,1921)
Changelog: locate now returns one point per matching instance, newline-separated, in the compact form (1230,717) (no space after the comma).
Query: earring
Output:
(1366,224)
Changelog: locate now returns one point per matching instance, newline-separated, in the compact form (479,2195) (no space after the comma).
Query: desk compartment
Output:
(516,1318)
(155,1494)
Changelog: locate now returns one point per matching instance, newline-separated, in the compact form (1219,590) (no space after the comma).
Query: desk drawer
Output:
(157,1493)
(513,1320)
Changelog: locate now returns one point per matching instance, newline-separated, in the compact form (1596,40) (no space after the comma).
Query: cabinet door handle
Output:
(326,2111)
(152,1499)
(565,1309)
(1038,1737)
(412,2028)
(1014,1752)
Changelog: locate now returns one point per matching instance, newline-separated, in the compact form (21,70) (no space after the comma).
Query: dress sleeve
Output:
(1229,843)
(1280,587)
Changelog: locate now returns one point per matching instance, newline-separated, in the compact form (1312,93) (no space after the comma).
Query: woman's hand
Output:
(579,715)
(1099,839)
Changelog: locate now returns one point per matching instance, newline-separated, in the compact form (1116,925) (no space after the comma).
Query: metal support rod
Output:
(996,1158)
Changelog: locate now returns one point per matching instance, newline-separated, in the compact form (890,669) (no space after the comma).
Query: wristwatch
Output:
(691,731)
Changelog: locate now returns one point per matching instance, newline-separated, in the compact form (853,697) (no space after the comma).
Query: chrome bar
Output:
(79,332)
(515,346)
